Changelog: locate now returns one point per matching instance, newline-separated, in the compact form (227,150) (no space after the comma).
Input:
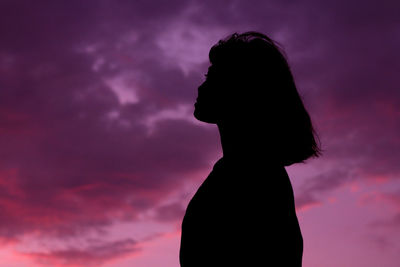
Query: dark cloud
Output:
(84,178)
(74,159)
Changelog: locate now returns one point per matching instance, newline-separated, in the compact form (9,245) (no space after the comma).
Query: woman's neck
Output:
(244,145)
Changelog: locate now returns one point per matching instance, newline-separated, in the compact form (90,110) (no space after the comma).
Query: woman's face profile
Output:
(208,102)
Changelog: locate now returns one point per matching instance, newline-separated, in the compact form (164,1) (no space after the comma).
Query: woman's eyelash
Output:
(206,75)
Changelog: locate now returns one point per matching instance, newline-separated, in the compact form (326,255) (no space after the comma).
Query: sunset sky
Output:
(100,153)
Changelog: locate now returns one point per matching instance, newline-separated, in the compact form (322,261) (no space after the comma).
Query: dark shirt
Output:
(242,215)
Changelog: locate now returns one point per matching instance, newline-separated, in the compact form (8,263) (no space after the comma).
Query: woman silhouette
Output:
(244,213)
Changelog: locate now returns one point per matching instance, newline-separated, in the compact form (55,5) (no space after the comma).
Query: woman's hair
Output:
(257,77)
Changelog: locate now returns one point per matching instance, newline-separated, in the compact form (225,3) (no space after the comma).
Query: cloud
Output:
(170,212)
(382,230)
(389,200)
(95,106)
(313,191)
(79,97)
(93,255)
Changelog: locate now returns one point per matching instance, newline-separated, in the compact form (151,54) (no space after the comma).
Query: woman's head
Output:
(249,82)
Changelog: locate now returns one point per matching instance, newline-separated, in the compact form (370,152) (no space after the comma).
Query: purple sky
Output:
(100,154)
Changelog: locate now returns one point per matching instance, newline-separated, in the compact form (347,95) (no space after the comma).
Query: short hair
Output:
(259,72)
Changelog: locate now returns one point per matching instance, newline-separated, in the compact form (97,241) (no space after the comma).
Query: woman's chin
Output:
(203,116)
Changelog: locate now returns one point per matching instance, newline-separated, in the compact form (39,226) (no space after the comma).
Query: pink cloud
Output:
(93,255)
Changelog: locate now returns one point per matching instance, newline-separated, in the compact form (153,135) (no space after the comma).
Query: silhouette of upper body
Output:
(244,212)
